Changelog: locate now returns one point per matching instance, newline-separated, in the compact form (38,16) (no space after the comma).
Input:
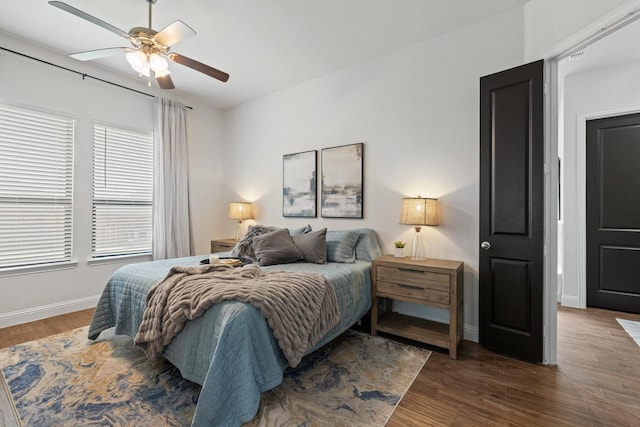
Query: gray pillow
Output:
(341,246)
(276,247)
(244,248)
(313,246)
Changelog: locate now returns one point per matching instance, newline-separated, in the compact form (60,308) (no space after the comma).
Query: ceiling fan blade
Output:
(165,82)
(199,66)
(99,53)
(86,16)
(174,33)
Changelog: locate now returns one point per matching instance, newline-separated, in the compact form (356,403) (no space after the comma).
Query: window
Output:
(122,191)
(36,183)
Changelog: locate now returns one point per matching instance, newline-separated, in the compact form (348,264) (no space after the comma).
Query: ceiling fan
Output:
(150,47)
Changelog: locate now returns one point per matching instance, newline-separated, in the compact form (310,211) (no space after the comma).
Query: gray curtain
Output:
(171,188)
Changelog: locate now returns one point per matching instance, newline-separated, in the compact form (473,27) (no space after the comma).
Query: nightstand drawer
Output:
(414,277)
(222,245)
(417,293)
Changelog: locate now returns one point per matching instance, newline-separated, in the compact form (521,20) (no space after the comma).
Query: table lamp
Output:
(418,211)
(239,211)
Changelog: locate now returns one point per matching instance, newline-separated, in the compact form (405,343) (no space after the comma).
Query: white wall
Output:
(599,93)
(416,110)
(31,84)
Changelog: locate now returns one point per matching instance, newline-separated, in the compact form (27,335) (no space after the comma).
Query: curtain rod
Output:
(84,75)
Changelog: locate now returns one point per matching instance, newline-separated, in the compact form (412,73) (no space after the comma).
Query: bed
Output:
(230,350)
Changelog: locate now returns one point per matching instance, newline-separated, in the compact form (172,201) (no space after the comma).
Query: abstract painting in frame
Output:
(299,186)
(342,181)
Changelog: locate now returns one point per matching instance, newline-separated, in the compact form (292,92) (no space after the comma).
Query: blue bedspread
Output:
(230,350)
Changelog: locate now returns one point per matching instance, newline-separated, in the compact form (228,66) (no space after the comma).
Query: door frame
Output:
(551,178)
(608,24)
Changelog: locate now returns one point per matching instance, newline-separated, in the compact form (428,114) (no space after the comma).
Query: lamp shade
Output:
(419,211)
(240,210)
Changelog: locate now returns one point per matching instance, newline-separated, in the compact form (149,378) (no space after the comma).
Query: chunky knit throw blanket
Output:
(300,308)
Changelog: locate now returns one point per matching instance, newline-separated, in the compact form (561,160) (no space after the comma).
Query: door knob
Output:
(485,245)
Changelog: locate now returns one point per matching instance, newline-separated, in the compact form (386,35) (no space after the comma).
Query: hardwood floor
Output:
(44,328)
(596,381)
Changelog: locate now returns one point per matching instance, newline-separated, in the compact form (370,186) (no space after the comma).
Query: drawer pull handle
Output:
(408,270)
(410,287)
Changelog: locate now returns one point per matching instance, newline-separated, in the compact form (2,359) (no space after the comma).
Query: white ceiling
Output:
(265,45)
(616,48)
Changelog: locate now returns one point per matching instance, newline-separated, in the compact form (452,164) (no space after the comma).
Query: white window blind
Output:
(122,191)
(36,184)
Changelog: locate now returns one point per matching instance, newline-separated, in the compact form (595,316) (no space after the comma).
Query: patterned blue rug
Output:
(67,380)
(8,413)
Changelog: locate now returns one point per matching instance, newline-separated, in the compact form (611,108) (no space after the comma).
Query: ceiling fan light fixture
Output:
(145,70)
(150,47)
(137,60)
(157,62)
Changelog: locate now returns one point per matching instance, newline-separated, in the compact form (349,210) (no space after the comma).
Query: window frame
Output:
(29,185)
(98,254)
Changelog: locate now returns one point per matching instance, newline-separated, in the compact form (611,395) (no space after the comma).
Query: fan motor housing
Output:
(143,38)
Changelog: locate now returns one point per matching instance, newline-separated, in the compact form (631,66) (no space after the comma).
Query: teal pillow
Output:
(368,246)
(341,246)
(303,230)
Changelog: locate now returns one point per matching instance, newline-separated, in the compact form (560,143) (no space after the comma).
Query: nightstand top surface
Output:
(428,262)
(231,240)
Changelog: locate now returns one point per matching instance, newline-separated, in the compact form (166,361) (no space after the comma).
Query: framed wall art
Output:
(299,184)
(342,181)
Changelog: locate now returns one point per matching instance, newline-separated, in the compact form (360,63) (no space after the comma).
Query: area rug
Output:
(67,380)
(8,412)
(632,328)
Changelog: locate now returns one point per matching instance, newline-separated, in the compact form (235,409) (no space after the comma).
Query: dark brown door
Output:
(512,211)
(613,213)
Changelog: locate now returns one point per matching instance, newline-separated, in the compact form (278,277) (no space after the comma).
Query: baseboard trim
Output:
(471,333)
(42,312)
(571,301)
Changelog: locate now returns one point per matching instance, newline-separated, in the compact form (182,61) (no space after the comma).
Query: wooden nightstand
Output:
(222,245)
(431,282)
